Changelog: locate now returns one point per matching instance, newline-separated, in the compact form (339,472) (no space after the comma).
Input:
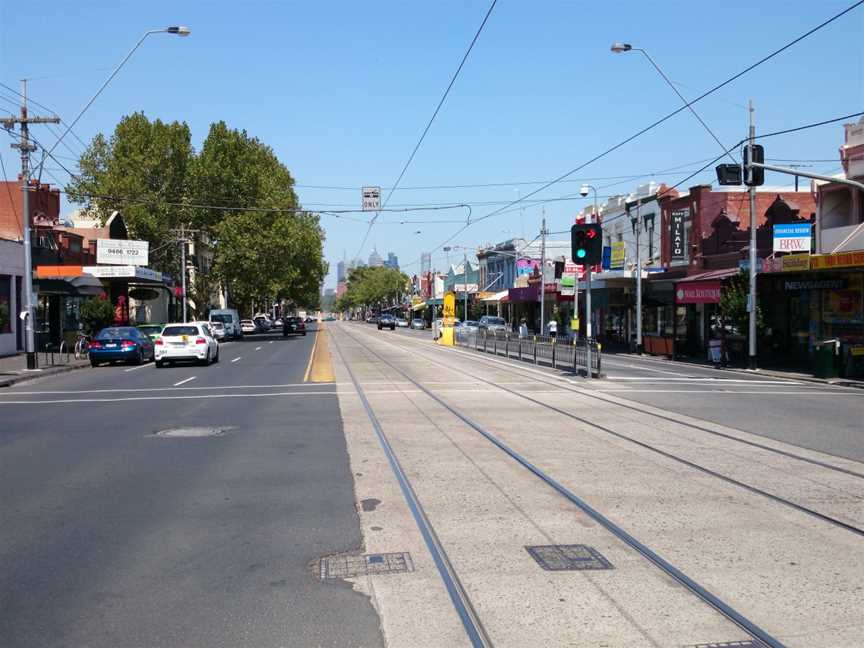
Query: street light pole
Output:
(751,361)
(542,271)
(178,30)
(638,278)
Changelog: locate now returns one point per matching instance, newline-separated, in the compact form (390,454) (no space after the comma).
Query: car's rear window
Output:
(179,330)
(221,318)
(497,321)
(116,332)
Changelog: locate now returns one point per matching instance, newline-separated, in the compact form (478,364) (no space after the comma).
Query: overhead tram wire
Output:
(44,107)
(431,119)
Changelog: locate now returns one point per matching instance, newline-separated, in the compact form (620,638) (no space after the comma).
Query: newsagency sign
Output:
(117,252)
(792,237)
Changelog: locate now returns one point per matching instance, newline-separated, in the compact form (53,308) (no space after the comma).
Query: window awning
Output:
(494,297)
(713,275)
(418,307)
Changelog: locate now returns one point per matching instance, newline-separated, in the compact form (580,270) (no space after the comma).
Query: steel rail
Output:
(756,632)
(459,597)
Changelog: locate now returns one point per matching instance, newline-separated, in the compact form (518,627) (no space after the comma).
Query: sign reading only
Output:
(371,198)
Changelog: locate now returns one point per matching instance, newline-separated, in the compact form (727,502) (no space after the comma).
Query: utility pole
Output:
(542,271)
(751,305)
(182,239)
(465,281)
(26,148)
(638,278)
(588,312)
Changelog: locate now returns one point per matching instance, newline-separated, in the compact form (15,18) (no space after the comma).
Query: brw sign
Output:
(792,237)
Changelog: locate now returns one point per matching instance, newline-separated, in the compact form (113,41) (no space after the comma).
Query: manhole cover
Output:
(568,557)
(365,565)
(194,431)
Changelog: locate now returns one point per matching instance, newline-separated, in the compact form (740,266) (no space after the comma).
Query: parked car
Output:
(401,322)
(372,319)
(218,330)
(387,321)
(492,324)
(263,323)
(189,341)
(418,324)
(123,343)
(231,320)
(248,326)
(293,326)
(471,326)
(153,331)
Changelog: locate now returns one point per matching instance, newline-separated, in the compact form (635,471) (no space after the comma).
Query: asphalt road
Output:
(115,537)
(810,415)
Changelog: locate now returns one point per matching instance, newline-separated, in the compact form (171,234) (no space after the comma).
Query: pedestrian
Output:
(553,328)
(523,328)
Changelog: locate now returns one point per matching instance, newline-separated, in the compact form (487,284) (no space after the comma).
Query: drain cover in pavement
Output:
(729,644)
(343,566)
(568,557)
(194,432)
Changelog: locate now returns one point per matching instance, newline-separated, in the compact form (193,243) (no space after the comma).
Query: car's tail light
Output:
(95,345)
(200,340)
(158,342)
(127,343)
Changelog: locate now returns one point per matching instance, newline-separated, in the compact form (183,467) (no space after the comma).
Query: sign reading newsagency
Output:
(119,252)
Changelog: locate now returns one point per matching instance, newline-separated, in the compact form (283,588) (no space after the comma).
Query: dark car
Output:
(387,321)
(293,326)
(124,343)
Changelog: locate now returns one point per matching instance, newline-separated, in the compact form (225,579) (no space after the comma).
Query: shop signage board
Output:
(744,265)
(792,237)
(607,258)
(120,252)
(698,292)
(795,263)
(568,279)
(122,272)
(838,260)
(676,234)
(617,258)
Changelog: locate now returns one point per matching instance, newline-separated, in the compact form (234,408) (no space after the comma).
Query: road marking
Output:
(183,382)
(149,398)
(311,357)
(270,342)
(656,380)
(237,359)
(158,389)
(258,348)
(141,366)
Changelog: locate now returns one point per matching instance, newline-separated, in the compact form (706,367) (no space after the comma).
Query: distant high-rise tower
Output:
(340,271)
(425,263)
(375,260)
(392,261)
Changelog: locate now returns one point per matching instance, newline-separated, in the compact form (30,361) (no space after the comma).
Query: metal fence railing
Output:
(558,353)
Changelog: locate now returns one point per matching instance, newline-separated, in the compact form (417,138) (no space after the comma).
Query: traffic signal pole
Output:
(751,306)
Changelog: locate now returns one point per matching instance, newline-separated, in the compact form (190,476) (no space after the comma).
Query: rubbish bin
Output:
(853,365)
(826,359)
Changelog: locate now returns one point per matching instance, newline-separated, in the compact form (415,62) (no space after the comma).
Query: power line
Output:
(431,119)
(11,201)
(44,107)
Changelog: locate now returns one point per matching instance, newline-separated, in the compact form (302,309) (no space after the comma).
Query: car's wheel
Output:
(138,359)
(206,360)
(94,363)
(159,364)
(216,359)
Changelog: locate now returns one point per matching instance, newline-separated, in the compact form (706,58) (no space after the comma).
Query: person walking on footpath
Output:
(553,328)
(523,328)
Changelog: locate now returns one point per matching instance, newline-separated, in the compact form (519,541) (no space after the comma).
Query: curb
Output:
(834,382)
(8,382)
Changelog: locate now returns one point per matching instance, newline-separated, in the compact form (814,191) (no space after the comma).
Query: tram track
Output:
(851,528)
(760,637)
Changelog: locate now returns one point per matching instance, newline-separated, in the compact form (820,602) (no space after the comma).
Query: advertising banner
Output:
(792,237)
(795,262)
(698,292)
(120,252)
(676,233)
(618,252)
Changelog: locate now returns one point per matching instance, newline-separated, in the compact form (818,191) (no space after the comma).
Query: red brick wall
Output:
(44,201)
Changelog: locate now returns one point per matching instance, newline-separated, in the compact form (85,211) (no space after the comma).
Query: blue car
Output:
(124,343)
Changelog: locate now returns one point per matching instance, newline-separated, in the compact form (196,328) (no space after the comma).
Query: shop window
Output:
(5,304)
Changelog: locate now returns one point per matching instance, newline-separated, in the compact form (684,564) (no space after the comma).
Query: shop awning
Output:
(418,307)
(713,275)
(494,297)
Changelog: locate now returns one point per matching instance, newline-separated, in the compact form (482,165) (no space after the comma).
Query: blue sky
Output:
(342,91)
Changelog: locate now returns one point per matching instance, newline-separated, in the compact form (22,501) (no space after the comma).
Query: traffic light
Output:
(587,243)
(729,174)
(754,176)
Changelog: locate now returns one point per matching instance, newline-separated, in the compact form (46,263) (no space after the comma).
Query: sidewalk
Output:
(13,369)
(773,373)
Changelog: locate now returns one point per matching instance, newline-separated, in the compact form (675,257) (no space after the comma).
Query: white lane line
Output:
(171,389)
(270,342)
(141,366)
(237,359)
(149,398)
(656,380)
(183,382)
(258,348)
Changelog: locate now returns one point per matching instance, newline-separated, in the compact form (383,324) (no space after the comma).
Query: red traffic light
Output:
(591,233)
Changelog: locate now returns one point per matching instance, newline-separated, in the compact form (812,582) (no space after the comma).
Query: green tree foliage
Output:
(140,171)
(96,314)
(373,287)
(733,304)
(235,192)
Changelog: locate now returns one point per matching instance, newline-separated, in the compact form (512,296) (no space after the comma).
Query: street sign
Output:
(792,237)
(676,224)
(607,258)
(744,265)
(371,198)
(121,252)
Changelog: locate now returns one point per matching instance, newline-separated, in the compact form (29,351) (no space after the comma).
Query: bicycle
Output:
(82,346)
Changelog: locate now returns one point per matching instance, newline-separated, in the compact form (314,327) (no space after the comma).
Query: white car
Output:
(189,341)
(401,322)
(248,326)
(218,330)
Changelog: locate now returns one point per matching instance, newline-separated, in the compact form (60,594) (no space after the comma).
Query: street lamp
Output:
(620,48)
(179,30)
